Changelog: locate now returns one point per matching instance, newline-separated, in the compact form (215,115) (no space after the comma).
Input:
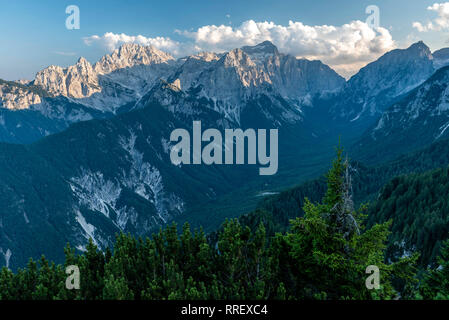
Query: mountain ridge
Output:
(418,119)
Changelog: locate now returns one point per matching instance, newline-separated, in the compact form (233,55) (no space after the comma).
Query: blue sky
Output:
(34,35)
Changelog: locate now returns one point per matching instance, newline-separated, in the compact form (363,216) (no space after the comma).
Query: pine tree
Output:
(436,282)
(328,254)
(116,289)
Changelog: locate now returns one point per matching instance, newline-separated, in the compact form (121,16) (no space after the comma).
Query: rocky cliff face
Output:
(82,79)
(113,81)
(77,81)
(130,55)
(240,75)
(191,67)
(17,98)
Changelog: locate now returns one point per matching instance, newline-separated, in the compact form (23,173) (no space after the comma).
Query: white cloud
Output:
(346,48)
(437,24)
(112,41)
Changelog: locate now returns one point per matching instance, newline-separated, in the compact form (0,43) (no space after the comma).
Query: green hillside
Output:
(418,205)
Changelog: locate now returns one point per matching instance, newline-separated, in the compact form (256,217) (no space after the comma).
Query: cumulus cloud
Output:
(111,41)
(346,48)
(439,23)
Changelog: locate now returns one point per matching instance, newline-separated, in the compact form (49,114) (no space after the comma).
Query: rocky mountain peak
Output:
(394,73)
(82,79)
(16,96)
(205,56)
(83,62)
(264,48)
(82,68)
(129,55)
(77,81)
(419,48)
(237,58)
(441,58)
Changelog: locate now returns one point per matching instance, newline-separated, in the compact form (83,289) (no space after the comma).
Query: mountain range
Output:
(85,150)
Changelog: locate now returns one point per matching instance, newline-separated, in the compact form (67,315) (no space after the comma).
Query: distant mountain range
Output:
(94,140)
(58,97)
